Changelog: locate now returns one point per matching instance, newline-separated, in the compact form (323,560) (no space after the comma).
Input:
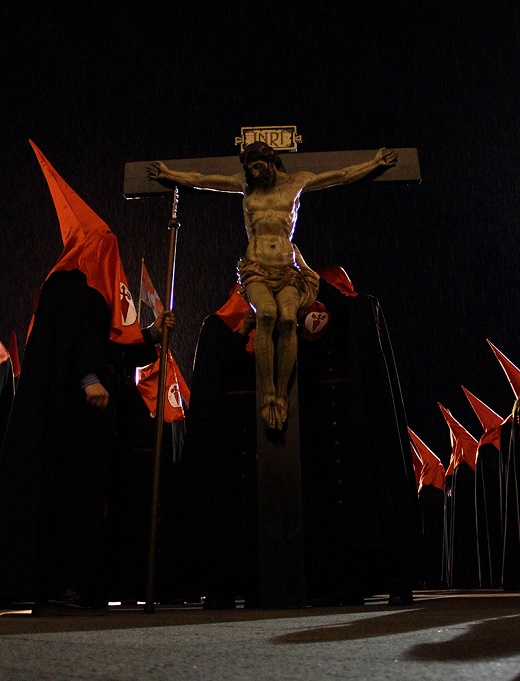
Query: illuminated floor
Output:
(444,635)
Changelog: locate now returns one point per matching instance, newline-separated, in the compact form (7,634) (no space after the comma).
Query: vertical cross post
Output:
(280,514)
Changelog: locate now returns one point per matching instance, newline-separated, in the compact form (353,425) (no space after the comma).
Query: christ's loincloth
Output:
(277,277)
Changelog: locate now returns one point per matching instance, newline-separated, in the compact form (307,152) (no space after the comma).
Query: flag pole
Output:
(173,226)
(15,358)
(140,289)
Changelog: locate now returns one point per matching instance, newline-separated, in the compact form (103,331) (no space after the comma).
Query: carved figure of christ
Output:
(275,279)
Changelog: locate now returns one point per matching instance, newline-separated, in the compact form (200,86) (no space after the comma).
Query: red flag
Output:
(490,420)
(148,293)
(464,445)
(432,470)
(232,313)
(90,246)
(234,309)
(511,371)
(13,352)
(315,322)
(176,387)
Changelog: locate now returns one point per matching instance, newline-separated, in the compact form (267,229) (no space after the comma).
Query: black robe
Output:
(55,462)
(217,506)
(361,513)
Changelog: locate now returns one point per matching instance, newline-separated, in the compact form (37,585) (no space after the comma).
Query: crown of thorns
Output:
(259,151)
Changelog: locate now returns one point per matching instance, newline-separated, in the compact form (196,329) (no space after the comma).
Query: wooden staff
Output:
(173,226)
(140,299)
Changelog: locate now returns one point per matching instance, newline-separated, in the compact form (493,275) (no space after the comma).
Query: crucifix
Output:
(276,282)
(273,276)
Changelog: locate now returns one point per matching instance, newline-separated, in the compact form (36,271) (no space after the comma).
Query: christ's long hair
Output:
(262,151)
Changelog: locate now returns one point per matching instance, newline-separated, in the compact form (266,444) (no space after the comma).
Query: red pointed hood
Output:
(511,371)
(464,445)
(490,420)
(90,246)
(337,276)
(432,470)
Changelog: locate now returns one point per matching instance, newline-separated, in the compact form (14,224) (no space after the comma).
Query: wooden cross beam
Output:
(137,185)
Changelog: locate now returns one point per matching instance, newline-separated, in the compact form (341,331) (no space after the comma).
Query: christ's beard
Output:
(266,179)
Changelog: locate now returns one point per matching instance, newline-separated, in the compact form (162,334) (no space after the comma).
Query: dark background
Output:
(96,87)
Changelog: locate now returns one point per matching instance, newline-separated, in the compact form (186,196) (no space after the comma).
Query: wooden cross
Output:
(137,185)
(280,522)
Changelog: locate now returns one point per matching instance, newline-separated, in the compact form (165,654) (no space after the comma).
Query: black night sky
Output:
(95,88)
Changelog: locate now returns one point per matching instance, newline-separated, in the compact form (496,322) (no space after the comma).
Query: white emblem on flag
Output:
(128,311)
(315,321)
(174,395)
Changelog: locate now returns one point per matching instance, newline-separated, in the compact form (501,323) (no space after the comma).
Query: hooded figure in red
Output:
(361,517)
(70,403)
(91,247)
(359,488)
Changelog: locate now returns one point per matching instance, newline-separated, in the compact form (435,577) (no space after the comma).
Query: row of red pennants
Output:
(428,467)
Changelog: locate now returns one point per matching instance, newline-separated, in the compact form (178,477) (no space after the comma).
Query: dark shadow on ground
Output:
(494,630)
(492,638)
(494,623)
